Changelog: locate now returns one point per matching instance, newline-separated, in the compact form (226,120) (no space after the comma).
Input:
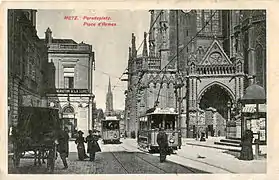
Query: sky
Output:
(110,44)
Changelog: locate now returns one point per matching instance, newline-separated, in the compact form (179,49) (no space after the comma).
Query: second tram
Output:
(149,125)
(110,130)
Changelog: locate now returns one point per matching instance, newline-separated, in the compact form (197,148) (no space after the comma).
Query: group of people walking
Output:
(63,146)
(92,145)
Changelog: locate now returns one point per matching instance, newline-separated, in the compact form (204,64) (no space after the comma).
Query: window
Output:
(199,20)
(204,16)
(69,82)
(69,73)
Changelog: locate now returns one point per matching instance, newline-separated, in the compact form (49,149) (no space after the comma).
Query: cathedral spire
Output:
(144,51)
(109,86)
(109,100)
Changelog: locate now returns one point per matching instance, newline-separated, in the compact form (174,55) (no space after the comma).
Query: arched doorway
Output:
(69,120)
(216,101)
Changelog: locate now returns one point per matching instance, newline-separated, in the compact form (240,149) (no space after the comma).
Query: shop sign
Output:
(71,91)
(68,116)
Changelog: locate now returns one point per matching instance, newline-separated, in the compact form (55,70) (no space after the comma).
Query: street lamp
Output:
(229,105)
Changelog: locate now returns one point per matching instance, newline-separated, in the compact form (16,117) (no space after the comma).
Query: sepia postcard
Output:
(167,90)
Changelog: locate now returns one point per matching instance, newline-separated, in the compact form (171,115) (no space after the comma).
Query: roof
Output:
(254,92)
(65,41)
(111,118)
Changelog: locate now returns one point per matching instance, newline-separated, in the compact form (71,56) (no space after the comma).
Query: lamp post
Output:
(229,104)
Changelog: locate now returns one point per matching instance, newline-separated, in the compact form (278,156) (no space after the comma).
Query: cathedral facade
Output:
(219,53)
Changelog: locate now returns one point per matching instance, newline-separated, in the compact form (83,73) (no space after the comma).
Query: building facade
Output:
(216,55)
(27,63)
(73,65)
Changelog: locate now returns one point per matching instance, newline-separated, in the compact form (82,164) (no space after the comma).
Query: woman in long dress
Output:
(80,146)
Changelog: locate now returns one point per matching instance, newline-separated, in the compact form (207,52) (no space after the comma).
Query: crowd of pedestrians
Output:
(63,146)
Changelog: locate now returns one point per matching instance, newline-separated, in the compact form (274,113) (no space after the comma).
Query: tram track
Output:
(142,159)
(121,164)
(189,168)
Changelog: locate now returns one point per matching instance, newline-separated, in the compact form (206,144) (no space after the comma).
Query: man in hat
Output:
(162,140)
(179,139)
(92,145)
(63,146)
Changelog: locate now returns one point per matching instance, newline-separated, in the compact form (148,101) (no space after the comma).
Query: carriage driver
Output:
(63,146)
(162,140)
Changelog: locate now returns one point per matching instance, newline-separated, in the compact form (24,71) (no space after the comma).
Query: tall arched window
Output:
(204,16)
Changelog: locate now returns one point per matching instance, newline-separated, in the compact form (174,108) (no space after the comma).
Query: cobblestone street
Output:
(114,159)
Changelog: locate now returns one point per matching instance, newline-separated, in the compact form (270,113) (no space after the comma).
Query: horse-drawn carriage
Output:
(36,132)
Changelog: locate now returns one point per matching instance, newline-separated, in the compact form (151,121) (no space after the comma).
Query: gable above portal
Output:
(215,55)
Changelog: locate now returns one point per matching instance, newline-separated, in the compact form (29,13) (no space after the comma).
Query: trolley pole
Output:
(187,107)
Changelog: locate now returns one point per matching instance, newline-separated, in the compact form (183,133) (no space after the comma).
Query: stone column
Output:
(251,55)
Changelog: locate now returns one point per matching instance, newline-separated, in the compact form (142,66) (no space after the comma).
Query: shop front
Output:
(253,117)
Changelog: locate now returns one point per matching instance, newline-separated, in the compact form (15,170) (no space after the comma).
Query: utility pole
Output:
(187,91)
(179,85)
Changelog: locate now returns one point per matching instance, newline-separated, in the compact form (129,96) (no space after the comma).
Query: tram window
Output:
(170,123)
(110,125)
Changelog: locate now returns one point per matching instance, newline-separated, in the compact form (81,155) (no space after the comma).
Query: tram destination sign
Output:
(69,91)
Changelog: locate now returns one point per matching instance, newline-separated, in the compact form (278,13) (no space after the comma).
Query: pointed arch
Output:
(223,86)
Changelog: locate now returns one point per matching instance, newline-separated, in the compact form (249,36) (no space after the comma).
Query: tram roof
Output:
(161,111)
(111,118)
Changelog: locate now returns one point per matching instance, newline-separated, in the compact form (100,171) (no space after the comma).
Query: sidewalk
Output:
(210,143)
(219,159)
(210,159)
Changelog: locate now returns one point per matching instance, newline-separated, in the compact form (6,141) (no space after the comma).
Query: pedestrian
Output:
(179,139)
(246,146)
(92,145)
(63,146)
(80,146)
(162,140)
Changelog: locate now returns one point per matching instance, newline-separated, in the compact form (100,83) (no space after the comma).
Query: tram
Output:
(110,130)
(149,125)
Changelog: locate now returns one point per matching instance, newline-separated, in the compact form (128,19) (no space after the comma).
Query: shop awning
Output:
(249,109)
